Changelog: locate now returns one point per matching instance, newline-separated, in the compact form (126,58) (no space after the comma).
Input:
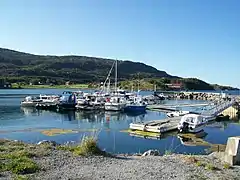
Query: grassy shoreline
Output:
(47,160)
(74,86)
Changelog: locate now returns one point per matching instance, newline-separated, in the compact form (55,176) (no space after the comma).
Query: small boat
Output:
(192,123)
(177,113)
(115,104)
(89,104)
(31,101)
(67,101)
(136,105)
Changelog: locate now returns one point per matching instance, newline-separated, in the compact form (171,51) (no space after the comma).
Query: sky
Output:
(187,38)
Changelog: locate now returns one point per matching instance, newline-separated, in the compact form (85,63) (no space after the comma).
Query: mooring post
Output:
(232,151)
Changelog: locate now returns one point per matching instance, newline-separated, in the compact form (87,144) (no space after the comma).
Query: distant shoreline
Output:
(74,86)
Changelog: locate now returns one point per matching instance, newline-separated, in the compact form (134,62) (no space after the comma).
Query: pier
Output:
(172,107)
(170,124)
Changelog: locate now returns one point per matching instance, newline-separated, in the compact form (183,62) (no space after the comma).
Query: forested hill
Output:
(19,66)
(24,68)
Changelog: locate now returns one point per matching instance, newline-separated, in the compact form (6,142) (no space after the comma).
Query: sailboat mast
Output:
(116,76)
(138,84)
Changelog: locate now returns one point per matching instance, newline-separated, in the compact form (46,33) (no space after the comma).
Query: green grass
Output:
(74,86)
(199,163)
(17,157)
(227,166)
(168,152)
(210,166)
(88,146)
(21,177)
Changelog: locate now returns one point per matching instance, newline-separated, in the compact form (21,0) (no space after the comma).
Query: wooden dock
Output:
(157,126)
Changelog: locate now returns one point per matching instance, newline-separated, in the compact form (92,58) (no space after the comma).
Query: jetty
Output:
(170,124)
(172,107)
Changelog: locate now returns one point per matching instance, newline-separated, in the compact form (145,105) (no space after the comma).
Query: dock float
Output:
(46,106)
(157,126)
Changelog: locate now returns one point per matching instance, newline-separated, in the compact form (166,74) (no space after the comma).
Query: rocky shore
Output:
(199,96)
(50,161)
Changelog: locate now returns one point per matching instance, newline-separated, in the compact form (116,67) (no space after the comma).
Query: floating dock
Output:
(157,126)
(46,106)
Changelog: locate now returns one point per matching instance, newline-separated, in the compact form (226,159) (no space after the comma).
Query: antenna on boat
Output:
(116,76)
(108,76)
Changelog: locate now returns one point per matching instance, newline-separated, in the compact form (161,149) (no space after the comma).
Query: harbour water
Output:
(31,125)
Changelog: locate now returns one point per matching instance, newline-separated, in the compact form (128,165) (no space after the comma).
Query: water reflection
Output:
(86,116)
(110,125)
(28,111)
(90,116)
(193,139)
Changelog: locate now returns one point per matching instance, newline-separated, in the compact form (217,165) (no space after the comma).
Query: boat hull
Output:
(28,104)
(114,107)
(66,106)
(88,108)
(135,108)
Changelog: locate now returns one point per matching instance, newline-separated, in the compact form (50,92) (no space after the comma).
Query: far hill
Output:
(80,69)
(19,67)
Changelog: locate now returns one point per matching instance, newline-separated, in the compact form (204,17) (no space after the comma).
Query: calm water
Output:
(29,125)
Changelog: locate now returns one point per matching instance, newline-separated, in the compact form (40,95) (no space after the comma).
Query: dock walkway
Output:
(172,107)
(157,126)
(170,124)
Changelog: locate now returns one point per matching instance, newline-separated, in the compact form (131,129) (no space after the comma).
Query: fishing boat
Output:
(91,103)
(31,101)
(136,105)
(193,123)
(115,103)
(67,101)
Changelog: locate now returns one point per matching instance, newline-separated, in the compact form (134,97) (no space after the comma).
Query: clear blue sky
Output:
(188,38)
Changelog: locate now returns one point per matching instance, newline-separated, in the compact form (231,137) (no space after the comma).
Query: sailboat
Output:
(115,102)
(136,104)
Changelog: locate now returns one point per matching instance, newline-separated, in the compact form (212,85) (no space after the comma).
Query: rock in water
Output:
(151,153)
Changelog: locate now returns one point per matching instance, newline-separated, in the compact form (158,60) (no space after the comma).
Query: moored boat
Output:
(115,104)
(67,101)
(31,101)
(177,113)
(136,105)
(192,123)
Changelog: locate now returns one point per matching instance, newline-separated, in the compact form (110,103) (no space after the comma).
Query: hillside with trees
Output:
(25,68)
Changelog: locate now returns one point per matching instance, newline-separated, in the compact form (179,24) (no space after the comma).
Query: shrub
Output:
(210,167)
(226,166)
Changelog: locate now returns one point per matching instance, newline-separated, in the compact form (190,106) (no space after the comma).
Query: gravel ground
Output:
(64,165)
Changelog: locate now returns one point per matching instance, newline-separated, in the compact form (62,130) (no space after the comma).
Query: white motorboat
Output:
(93,103)
(177,113)
(115,103)
(192,123)
(31,101)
